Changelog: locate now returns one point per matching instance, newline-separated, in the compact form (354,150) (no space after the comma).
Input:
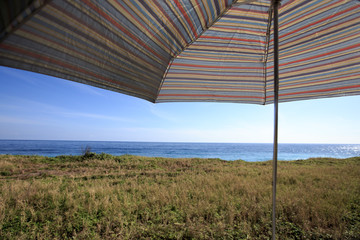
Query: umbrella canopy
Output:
(188,50)
(191,50)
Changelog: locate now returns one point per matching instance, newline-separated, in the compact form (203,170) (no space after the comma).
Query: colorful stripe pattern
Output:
(188,50)
(226,63)
(319,50)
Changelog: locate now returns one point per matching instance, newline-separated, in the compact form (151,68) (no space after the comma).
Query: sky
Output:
(40,107)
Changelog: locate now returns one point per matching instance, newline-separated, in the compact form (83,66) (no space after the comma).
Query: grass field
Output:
(99,196)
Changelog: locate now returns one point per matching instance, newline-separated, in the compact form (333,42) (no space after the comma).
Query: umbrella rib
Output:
(191,42)
(266,53)
(7,33)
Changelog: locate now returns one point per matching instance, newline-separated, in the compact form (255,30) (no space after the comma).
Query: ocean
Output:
(226,151)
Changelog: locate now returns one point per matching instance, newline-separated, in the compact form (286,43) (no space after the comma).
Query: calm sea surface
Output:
(226,151)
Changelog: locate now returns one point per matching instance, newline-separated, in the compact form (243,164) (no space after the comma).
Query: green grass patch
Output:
(100,196)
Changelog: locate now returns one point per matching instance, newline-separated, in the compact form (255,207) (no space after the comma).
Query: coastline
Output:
(228,151)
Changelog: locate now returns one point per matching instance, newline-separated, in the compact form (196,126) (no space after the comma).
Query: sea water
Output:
(226,151)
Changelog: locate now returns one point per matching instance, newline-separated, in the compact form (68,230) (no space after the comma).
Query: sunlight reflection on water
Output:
(226,151)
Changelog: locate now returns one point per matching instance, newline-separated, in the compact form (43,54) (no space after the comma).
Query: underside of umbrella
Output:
(188,50)
(191,50)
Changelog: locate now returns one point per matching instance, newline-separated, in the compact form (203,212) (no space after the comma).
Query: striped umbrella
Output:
(191,50)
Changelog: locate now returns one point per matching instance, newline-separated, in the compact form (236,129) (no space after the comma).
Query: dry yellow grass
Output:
(128,197)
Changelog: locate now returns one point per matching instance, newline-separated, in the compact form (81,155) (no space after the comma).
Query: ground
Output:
(99,196)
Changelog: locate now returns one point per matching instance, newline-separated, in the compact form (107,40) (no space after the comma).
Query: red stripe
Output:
(121,28)
(145,27)
(208,87)
(306,15)
(320,65)
(209,57)
(316,91)
(186,17)
(69,66)
(232,29)
(285,4)
(318,34)
(233,39)
(246,11)
(204,75)
(209,66)
(107,39)
(207,95)
(75,51)
(320,55)
(202,14)
(195,46)
(318,82)
(170,21)
(319,21)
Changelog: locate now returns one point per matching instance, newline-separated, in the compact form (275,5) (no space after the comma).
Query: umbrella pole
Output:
(276,99)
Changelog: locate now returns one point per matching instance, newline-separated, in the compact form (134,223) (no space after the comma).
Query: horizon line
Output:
(70,140)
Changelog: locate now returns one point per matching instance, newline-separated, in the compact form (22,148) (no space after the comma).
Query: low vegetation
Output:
(99,196)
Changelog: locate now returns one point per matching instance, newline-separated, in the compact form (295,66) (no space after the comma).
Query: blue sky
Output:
(35,106)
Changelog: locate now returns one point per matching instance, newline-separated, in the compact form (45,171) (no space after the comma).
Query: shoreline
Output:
(94,155)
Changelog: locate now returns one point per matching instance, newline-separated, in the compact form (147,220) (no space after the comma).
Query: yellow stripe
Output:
(143,29)
(106,25)
(324,23)
(317,95)
(283,86)
(238,58)
(172,45)
(49,32)
(309,48)
(97,54)
(256,60)
(82,78)
(198,98)
(340,66)
(208,12)
(291,15)
(204,69)
(198,12)
(205,89)
(213,7)
(244,26)
(95,35)
(233,43)
(194,78)
(319,61)
(192,83)
(222,6)
(240,31)
(327,77)
(218,48)
(99,64)
(170,26)
(183,24)
(325,40)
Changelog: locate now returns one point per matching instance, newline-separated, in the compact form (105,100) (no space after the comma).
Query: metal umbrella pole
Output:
(276,99)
